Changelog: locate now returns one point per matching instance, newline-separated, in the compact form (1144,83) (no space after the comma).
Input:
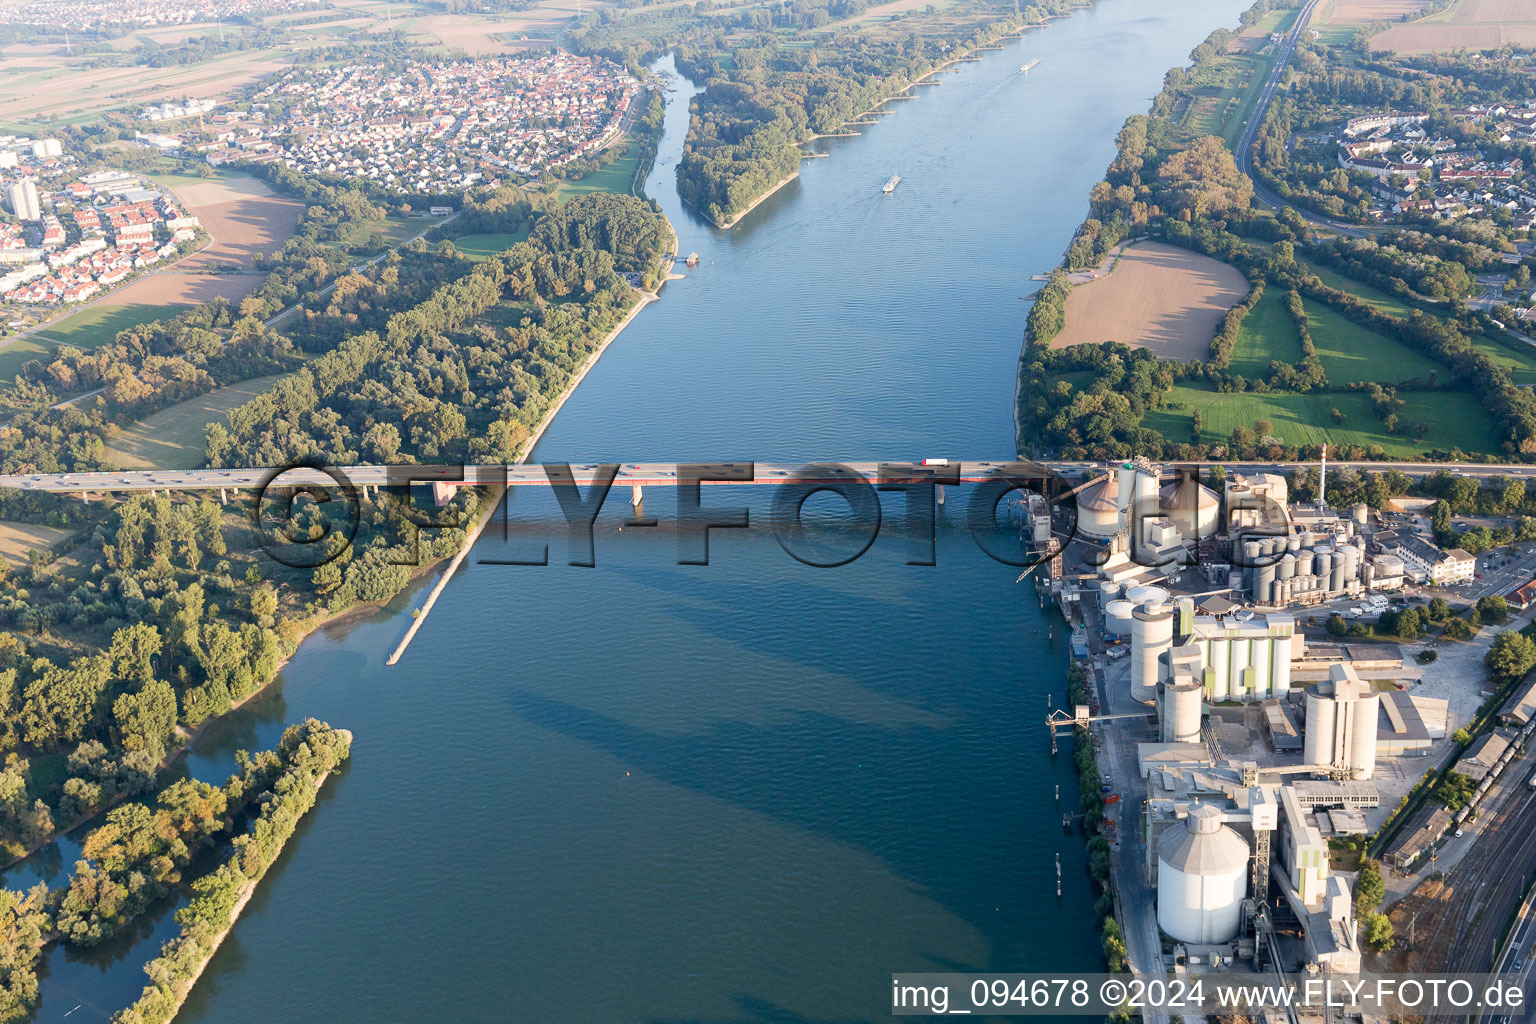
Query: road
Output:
(1245,144)
(647,474)
(323,292)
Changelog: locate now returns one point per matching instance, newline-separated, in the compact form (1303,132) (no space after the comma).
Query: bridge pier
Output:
(939,492)
(635,495)
(223,496)
(85,496)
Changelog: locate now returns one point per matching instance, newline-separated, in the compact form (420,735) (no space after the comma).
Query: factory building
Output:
(1214,830)
(1342,723)
(1254,500)
(1245,659)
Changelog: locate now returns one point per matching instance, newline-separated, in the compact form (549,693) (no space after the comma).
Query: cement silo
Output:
(1151,637)
(1139,596)
(1304,559)
(1194,508)
(1181,711)
(1264,589)
(1362,748)
(1341,724)
(1117,617)
(1202,876)
(1317,747)
(1287,568)
(1184,616)
(1098,508)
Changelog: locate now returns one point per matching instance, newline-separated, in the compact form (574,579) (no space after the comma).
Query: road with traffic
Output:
(649,474)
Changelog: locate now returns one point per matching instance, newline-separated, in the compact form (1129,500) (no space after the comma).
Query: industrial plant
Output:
(1239,749)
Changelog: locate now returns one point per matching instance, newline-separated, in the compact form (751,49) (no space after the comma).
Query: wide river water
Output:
(747,791)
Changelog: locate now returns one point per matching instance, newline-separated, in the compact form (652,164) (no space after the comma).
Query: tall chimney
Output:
(1322,481)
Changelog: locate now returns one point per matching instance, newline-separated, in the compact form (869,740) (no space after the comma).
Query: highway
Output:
(1256,119)
(650,474)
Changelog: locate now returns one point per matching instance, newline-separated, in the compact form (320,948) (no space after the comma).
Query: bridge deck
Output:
(644,474)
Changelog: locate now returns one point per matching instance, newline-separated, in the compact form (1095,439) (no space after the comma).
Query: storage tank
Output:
(1139,596)
(1117,617)
(1362,747)
(1304,562)
(1202,876)
(1361,513)
(1325,568)
(1194,508)
(1367,575)
(1264,593)
(1317,745)
(1098,508)
(1151,636)
(1181,712)
(1287,566)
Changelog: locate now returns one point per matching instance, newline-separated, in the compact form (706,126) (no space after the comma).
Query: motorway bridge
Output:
(653,474)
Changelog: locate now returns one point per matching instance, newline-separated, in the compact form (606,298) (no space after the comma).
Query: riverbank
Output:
(897,93)
(163,999)
(248,890)
(644,299)
(727,225)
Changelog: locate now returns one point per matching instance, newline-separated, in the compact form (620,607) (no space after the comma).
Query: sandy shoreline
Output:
(245,897)
(859,118)
(756,203)
(642,300)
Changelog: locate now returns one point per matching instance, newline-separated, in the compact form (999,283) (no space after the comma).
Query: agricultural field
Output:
(1363,12)
(242,216)
(1468,24)
(66,92)
(1159,297)
(618,176)
(19,540)
(172,287)
(1389,304)
(1350,353)
(1268,333)
(86,328)
(173,438)
(1521,363)
(99,323)
(481,35)
(1454,420)
(482,247)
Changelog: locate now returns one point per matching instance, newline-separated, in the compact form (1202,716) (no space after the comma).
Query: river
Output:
(752,790)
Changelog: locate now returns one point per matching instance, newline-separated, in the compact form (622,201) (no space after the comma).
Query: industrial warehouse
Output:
(1238,746)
